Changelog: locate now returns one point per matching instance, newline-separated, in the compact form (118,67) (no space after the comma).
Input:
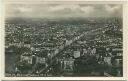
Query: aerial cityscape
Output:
(68,41)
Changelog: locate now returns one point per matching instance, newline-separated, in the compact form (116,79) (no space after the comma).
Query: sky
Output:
(63,10)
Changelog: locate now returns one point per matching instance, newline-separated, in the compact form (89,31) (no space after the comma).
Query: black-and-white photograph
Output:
(63,40)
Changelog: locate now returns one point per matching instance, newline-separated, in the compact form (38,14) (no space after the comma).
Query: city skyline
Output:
(63,40)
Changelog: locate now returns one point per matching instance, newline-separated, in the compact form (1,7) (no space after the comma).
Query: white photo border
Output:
(125,39)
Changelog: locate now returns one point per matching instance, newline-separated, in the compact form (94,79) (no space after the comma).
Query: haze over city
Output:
(63,10)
